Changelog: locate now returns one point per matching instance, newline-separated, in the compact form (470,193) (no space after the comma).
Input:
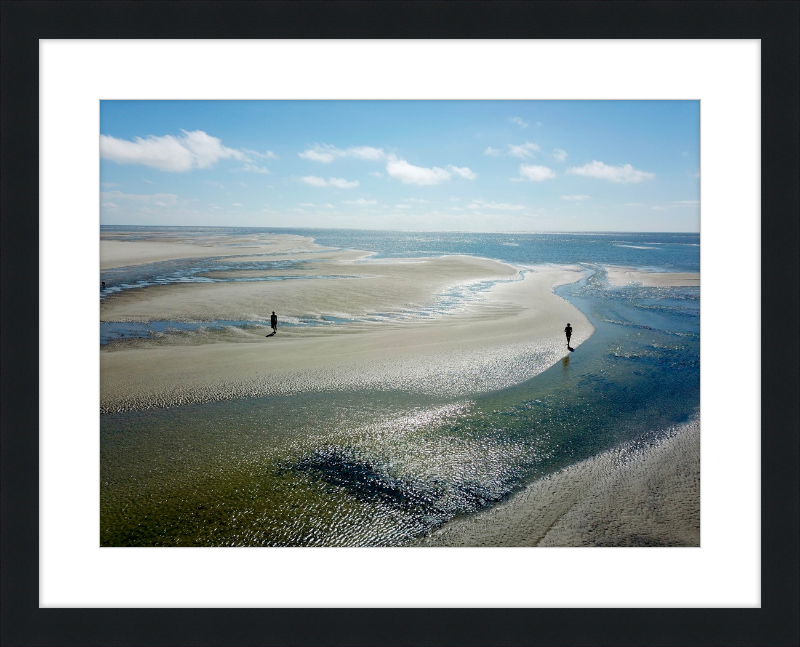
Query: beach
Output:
(644,493)
(406,400)
(513,332)
(123,249)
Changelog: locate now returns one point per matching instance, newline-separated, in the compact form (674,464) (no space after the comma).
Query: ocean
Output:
(386,467)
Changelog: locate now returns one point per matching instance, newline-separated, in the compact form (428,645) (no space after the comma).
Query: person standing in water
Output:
(568,331)
(273,321)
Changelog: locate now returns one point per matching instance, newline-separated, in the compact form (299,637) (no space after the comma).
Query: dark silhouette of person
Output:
(102,285)
(568,331)
(273,321)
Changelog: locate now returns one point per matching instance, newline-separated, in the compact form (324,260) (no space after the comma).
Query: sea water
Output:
(384,468)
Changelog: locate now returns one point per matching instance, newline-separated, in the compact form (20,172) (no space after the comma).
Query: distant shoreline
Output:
(421,231)
(621,276)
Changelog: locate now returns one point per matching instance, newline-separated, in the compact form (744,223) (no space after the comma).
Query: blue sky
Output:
(424,165)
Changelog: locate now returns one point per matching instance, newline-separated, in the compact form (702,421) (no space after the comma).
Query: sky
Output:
(489,166)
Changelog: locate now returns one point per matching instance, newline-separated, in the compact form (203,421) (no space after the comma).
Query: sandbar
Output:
(621,276)
(643,493)
(502,335)
(344,289)
(119,252)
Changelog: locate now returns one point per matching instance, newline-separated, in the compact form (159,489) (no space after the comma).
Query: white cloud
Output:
(237,204)
(419,200)
(696,173)
(376,174)
(559,154)
(535,173)
(339,183)
(502,206)
(360,201)
(306,204)
(463,172)
(108,185)
(110,204)
(317,156)
(402,206)
(254,168)
(574,197)
(493,152)
(523,151)
(366,153)
(659,209)
(194,149)
(619,174)
(269,155)
(410,174)
(687,203)
(315,181)
(519,121)
(326,153)
(634,204)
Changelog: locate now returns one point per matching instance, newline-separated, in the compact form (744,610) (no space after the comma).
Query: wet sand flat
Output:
(639,494)
(621,276)
(116,252)
(511,334)
(448,344)
(345,289)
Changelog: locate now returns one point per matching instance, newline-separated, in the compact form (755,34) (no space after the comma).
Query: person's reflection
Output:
(565,363)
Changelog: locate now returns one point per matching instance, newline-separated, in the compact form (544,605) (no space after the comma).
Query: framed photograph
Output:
(338,247)
(431,379)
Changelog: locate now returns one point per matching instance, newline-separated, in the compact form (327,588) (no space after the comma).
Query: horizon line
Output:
(431,231)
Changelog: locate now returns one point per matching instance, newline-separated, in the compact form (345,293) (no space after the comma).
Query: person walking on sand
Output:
(568,331)
(273,321)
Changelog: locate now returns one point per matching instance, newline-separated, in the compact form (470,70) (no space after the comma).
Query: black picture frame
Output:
(775,23)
